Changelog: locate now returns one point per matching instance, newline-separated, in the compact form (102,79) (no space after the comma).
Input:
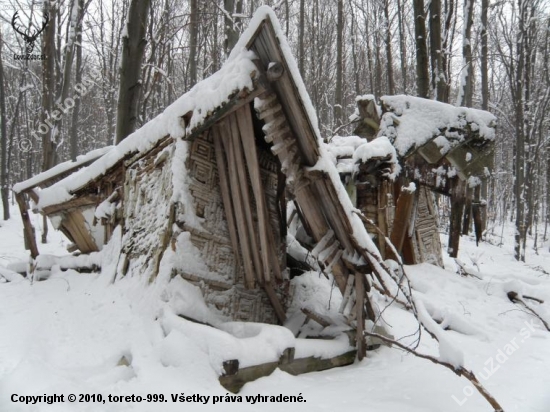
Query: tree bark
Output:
(193,34)
(338,95)
(3,131)
(422,73)
(438,74)
(466,91)
(133,48)
(389,56)
(457,209)
(484,56)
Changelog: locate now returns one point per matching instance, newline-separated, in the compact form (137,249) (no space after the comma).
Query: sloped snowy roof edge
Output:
(198,104)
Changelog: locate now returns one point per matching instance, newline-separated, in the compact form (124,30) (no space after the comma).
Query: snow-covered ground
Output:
(79,334)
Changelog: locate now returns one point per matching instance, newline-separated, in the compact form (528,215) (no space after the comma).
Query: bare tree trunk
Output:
(484,56)
(438,75)
(232,9)
(466,90)
(48,96)
(338,95)
(389,56)
(457,209)
(301,36)
(402,45)
(4,137)
(133,48)
(78,80)
(446,47)
(193,34)
(519,251)
(422,73)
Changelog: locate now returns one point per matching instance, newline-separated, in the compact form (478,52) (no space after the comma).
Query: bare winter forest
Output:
(91,79)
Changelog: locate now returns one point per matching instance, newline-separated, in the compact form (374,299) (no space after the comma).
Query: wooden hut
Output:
(438,146)
(208,190)
(210,181)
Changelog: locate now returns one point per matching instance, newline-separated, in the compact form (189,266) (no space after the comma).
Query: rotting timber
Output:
(247,160)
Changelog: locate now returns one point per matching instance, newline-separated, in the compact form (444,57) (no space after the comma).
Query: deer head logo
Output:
(29,34)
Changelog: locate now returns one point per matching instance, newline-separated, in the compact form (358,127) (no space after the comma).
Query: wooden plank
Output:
(360,305)
(316,222)
(75,203)
(240,219)
(226,193)
(75,223)
(279,310)
(238,159)
(28,231)
(382,223)
(334,212)
(267,244)
(235,102)
(401,221)
(267,48)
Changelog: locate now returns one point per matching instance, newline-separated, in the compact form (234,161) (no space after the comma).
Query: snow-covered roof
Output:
(237,74)
(349,151)
(410,122)
(60,169)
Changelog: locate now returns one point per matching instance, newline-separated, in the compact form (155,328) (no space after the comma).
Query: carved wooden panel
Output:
(227,294)
(427,245)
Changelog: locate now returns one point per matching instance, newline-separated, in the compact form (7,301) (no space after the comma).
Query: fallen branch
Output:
(515,298)
(458,370)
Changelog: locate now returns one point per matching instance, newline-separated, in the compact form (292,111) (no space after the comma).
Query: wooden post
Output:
(403,211)
(28,230)
(457,207)
(242,186)
(360,306)
(226,194)
(269,257)
(240,218)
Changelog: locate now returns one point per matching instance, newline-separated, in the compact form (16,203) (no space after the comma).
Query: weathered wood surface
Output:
(235,378)
(75,203)
(268,250)
(235,102)
(28,230)
(360,305)
(75,224)
(402,219)
(240,217)
(226,193)
(267,48)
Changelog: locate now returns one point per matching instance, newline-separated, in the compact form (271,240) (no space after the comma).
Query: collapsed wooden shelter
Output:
(209,189)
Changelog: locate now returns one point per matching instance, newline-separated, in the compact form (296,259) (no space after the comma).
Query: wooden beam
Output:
(75,223)
(268,252)
(401,221)
(226,194)
(235,102)
(74,203)
(28,231)
(360,306)
(266,46)
(240,219)
(235,141)
(279,310)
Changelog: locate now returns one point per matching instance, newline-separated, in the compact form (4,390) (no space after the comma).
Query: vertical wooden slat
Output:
(226,194)
(27,226)
(76,224)
(402,216)
(360,307)
(382,223)
(240,219)
(242,186)
(268,252)
(279,310)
